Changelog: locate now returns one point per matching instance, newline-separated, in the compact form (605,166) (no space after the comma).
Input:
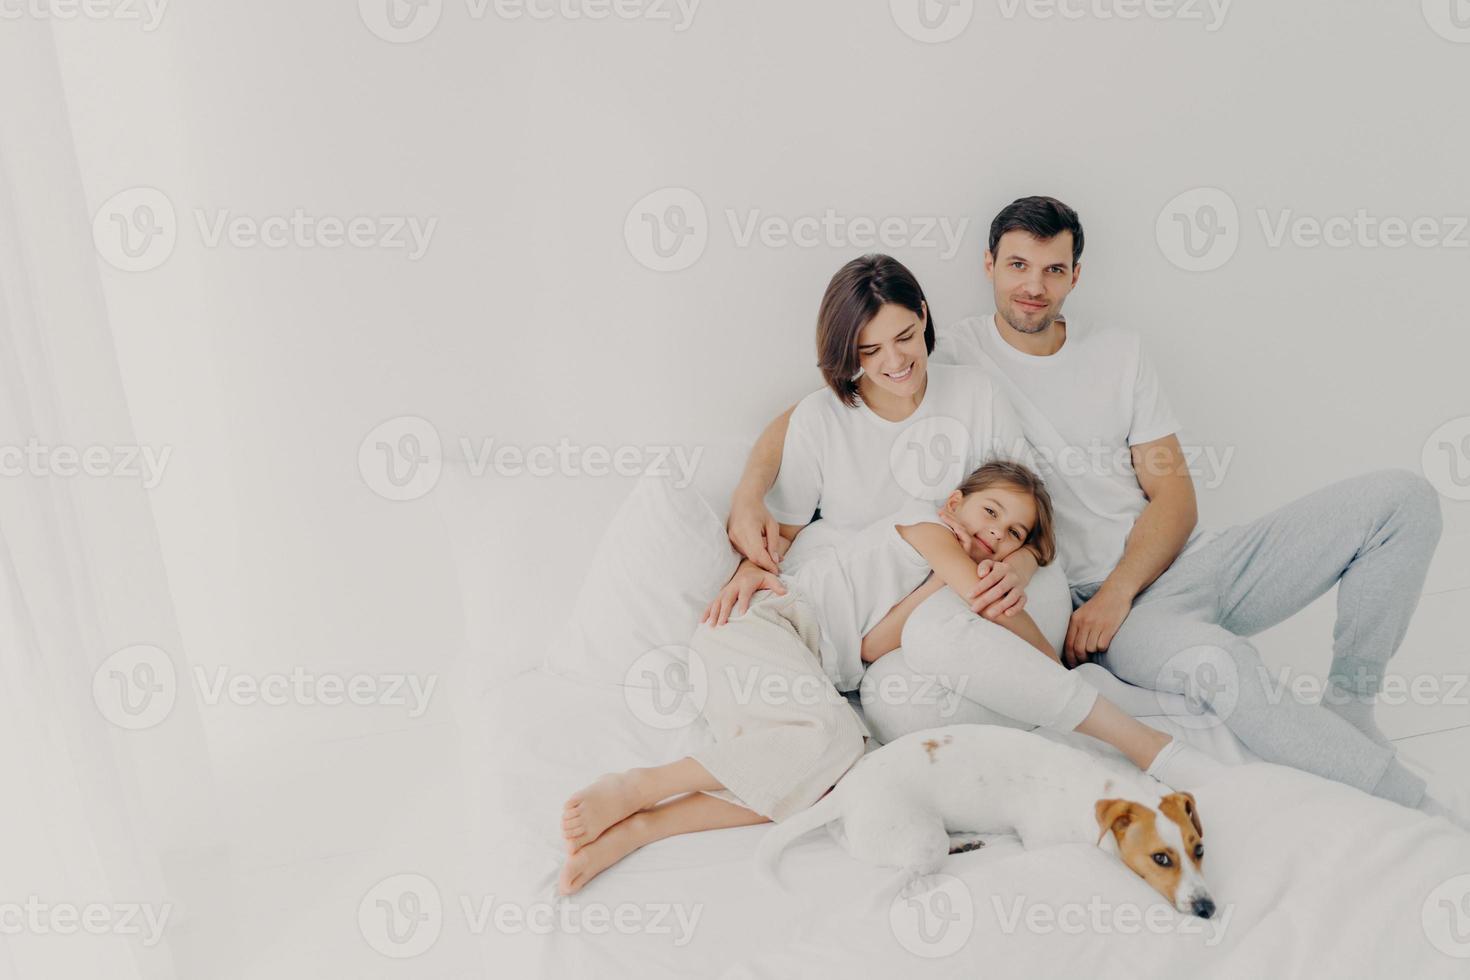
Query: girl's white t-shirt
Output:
(853,578)
(859,468)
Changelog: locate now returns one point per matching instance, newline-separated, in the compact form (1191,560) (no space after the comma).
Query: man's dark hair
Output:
(1043,217)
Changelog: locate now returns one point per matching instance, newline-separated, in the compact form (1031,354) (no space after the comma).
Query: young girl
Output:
(777,750)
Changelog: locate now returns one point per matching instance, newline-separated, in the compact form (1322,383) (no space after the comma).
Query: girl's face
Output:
(891,351)
(996,520)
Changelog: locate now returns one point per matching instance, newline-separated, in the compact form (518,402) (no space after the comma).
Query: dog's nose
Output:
(1203,907)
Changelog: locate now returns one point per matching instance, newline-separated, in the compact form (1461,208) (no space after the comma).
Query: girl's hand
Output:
(748,579)
(999,592)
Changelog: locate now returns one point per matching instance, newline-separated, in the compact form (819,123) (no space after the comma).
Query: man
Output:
(1157,601)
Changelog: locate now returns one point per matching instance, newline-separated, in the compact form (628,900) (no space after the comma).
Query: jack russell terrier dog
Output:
(899,805)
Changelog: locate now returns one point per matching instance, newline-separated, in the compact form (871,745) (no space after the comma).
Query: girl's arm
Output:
(888,634)
(959,571)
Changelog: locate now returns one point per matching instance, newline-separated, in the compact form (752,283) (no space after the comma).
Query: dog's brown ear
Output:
(1186,802)
(1114,815)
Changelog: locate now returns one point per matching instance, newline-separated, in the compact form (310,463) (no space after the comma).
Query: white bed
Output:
(1313,878)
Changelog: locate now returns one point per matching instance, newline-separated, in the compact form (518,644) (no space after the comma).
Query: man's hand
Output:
(756,534)
(999,593)
(748,579)
(1094,624)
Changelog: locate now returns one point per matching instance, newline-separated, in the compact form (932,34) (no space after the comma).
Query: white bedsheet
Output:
(1314,878)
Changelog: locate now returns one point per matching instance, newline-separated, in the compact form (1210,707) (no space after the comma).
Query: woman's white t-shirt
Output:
(859,468)
(853,579)
(867,475)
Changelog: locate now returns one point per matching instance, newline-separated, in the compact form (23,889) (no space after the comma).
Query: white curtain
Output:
(94,813)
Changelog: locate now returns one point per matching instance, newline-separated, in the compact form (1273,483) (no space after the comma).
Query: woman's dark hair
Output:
(1044,217)
(854,296)
(1004,473)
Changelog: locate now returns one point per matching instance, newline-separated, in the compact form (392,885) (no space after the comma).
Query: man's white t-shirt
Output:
(1081,408)
(853,579)
(860,468)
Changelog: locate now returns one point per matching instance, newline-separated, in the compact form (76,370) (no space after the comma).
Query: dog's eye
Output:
(1199,852)
(1162,859)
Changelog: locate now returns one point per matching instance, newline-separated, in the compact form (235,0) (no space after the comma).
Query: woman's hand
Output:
(999,592)
(755,533)
(748,579)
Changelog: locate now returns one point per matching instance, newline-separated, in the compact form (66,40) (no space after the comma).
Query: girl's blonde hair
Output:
(1042,538)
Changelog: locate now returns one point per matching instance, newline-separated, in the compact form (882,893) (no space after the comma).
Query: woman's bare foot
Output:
(593,809)
(587,862)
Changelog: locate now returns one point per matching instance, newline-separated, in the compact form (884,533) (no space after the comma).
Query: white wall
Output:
(529,320)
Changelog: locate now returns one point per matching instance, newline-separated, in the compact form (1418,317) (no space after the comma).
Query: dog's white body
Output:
(899,805)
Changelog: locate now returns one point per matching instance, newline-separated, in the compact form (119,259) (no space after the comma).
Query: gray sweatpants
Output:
(1372,536)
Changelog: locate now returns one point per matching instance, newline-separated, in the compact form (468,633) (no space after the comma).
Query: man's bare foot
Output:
(593,809)
(587,862)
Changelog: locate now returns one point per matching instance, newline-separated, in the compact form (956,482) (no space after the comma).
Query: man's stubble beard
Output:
(1023,327)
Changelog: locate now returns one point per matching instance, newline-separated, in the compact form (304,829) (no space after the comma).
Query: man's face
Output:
(1032,277)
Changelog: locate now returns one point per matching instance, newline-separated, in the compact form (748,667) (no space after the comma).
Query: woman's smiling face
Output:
(891,351)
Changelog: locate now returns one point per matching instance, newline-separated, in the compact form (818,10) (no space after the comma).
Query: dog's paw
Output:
(960,843)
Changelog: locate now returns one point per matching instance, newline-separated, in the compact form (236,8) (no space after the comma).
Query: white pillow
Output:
(662,558)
